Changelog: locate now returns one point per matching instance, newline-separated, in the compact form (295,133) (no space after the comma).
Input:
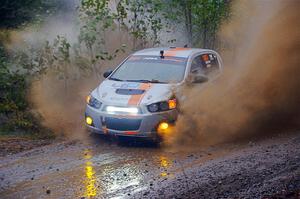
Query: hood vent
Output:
(129,91)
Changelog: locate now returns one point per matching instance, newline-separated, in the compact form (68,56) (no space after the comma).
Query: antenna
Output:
(162,54)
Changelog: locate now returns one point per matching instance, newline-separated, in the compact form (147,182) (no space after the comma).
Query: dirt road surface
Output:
(100,168)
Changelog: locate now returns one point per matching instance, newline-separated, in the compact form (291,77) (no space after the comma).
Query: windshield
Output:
(151,69)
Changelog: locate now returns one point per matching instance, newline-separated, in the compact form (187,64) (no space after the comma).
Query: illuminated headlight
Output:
(163,126)
(89,120)
(114,109)
(93,102)
(162,106)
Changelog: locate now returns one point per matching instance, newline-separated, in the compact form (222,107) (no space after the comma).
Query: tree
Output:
(14,13)
(208,16)
(201,18)
(143,21)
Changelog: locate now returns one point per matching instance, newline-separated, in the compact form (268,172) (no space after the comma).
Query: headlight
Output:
(89,120)
(153,107)
(162,106)
(93,102)
(114,109)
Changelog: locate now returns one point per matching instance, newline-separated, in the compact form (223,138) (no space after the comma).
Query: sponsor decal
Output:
(157,59)
(118,99)
(126,85)
(151,58)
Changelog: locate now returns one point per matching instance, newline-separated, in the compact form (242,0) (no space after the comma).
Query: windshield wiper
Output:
(116,79)
(146,81)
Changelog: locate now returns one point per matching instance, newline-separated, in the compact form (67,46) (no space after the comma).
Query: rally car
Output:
(137,98)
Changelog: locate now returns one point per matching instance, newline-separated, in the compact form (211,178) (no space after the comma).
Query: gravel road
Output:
(101,168)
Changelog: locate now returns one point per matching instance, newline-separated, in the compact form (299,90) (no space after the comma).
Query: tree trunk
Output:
(188,22)
(205,35)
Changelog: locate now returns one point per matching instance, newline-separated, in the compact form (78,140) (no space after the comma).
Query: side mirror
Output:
(199,78)
(107,73)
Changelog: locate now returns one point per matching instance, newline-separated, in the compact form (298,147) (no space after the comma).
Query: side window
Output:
(206,64)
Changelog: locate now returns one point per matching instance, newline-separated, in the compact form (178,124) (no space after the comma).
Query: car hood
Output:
(132,93)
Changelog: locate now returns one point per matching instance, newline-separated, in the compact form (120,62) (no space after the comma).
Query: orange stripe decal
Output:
(173,52)
(134,100)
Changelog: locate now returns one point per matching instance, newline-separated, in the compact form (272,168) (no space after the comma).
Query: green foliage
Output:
(61,59)
(14,13)
(96,19)
(142,19)
(145,19)
(202,19)
(209,15)
(14,112)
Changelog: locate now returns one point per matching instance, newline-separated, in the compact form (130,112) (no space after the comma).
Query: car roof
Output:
(171,51)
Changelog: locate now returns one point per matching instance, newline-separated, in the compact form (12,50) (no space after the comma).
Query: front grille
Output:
(122,124)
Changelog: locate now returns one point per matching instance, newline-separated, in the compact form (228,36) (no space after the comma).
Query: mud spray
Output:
(62,109)
(59,108)
(258,93)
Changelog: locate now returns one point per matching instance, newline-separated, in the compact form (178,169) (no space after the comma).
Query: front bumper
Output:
(141,125)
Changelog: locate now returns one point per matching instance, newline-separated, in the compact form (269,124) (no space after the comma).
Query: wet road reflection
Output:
(97,170)
(107,179)
(126,176)
(132,173)
(165,163)
(90,176)
(90,181)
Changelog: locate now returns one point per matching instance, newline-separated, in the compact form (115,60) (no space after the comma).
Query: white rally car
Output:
(137,98)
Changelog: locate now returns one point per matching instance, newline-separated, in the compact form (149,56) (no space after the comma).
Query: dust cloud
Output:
(258,93)
(60,107)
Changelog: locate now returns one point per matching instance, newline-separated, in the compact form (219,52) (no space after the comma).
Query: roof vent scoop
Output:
(162,54)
